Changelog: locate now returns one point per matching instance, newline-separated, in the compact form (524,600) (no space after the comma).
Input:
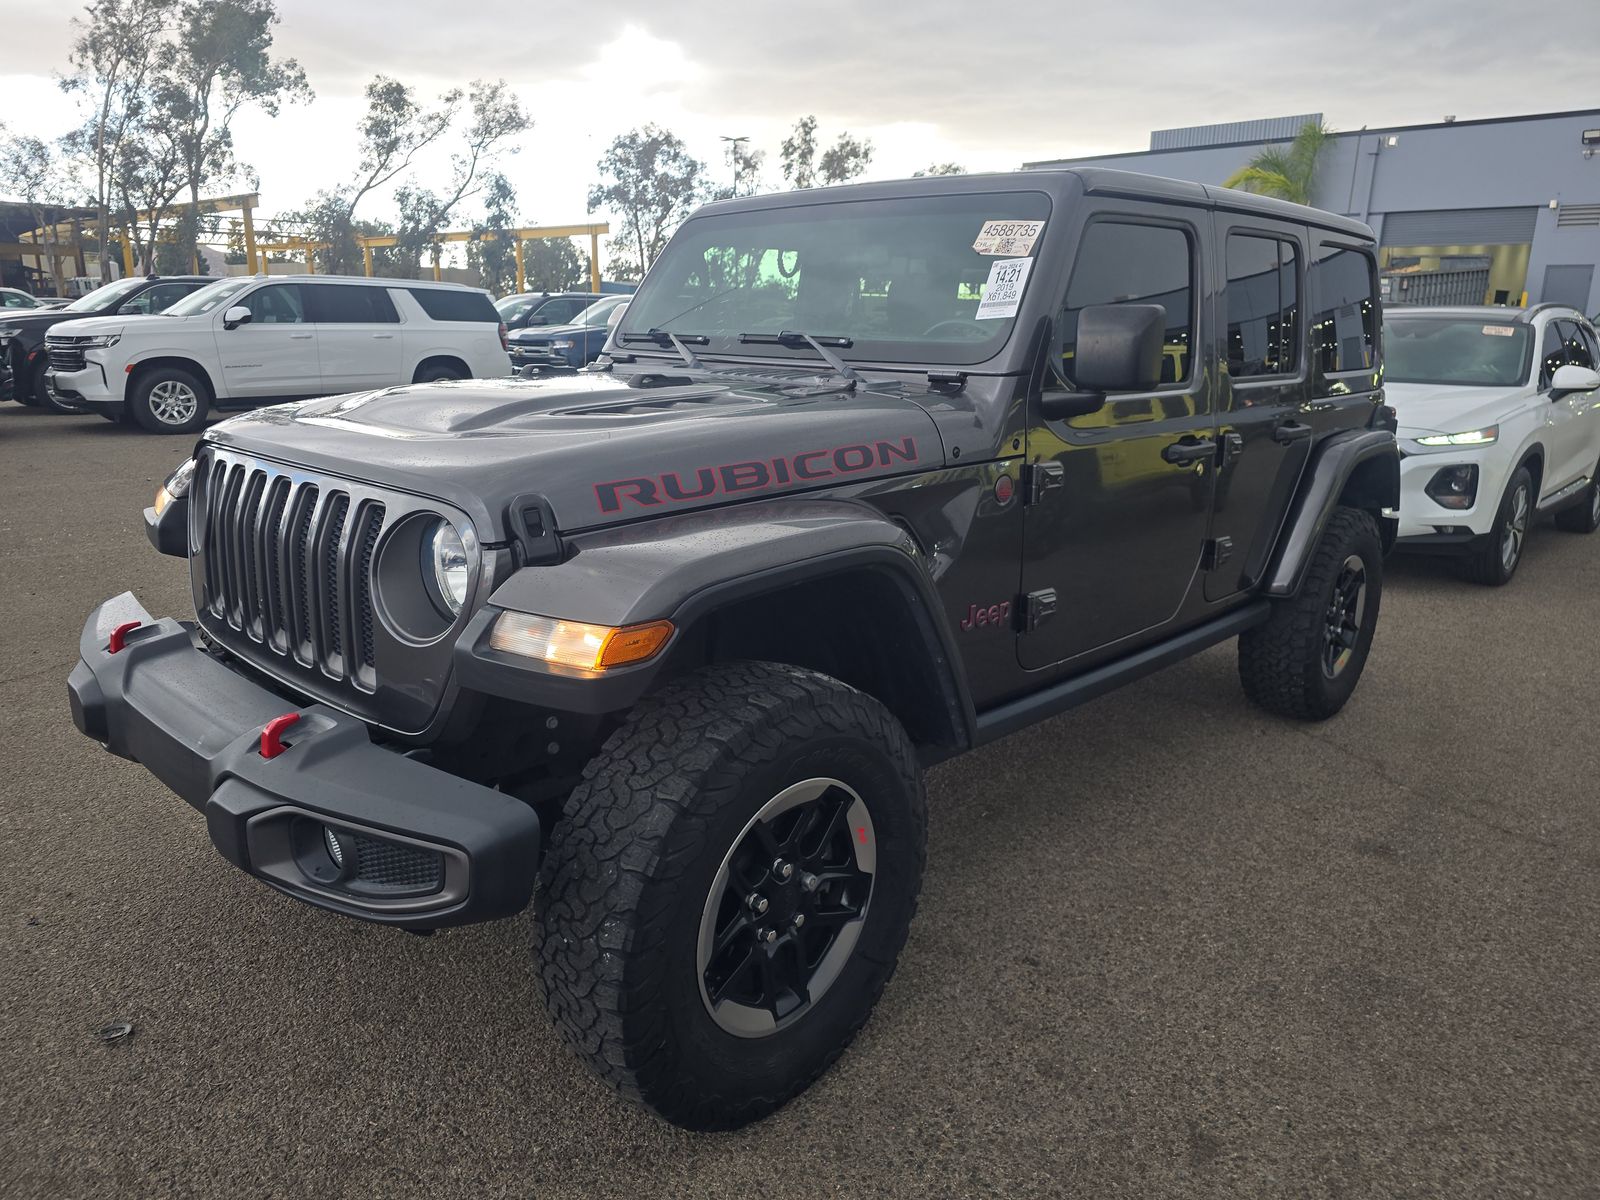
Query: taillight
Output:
(505,342)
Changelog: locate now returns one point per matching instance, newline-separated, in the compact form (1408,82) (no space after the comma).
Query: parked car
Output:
(568,346)
(543,308)
(15,298)
(689,627)
(1499,421)
(253,340)
(22,352)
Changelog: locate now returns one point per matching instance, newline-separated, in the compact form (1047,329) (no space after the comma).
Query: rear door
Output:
(275,353)
(1569,421)
(1263,431)
(1122,498)
(358,336)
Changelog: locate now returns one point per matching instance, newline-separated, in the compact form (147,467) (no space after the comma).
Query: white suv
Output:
(253,340)
(1499,414)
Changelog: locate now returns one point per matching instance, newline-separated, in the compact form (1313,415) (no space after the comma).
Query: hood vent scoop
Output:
(655,400)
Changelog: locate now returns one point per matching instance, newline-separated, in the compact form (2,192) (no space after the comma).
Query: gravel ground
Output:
(1167,946)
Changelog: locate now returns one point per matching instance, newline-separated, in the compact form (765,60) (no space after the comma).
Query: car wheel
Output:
(169,400)
(1306,658)
(437,372)
(1584,516)
(728,889)
(1497,561)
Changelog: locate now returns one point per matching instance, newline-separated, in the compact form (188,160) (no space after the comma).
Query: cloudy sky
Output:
(986,86)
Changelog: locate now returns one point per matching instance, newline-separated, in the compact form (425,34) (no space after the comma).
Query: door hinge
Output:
(1217,551)
(1232,445)
(1036,608)
(1043,477)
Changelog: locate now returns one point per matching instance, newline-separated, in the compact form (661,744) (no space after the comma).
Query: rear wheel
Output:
(729,888)
(436,371)
(1306,659)
(1497,561)
(1584,516)
(169,400)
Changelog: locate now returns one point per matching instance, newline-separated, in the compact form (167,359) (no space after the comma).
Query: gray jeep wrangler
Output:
(868,476)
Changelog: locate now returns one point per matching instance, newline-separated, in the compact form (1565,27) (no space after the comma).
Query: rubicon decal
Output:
(676,487)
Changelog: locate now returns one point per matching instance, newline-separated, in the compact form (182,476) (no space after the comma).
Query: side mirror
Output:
(1118,349)
(1571,379)
(236,316)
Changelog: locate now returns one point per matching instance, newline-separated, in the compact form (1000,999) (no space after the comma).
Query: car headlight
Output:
(99,341)
(176,487)
(1473,437)
(562,344)
(444,561)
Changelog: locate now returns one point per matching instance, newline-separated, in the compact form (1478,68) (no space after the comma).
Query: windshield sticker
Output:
(1008,239)
(1500,330)
(1003,292)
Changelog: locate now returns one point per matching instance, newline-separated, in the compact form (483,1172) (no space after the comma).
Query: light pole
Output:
(735,142)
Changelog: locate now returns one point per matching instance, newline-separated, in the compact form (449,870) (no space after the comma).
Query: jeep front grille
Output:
(288,566)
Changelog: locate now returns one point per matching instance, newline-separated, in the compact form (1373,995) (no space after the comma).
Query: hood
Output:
(83,326)
(601,452)
(1424,408)
(543,333)
(33,318)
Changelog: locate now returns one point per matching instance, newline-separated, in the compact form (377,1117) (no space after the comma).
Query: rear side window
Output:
(445,305)
(1263,306)
(350,304)
(1344,314)
(1125,263)
(279,304)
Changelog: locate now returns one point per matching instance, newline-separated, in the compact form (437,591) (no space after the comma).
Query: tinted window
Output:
(105,297)
(349,304)
(443,304)
(210,296)
(280,304)
(1134,264)
(1577,348)
(1589,340)
(559,311)
(1455,351)
(1552,353)
(159,298)
(1344,310)
(1263,306)
(19,300)
(598,313)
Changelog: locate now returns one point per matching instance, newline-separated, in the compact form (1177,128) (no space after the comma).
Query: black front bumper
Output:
(421,848)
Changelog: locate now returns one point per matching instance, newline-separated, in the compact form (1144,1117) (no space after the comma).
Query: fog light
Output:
(1454,487)
(331,841)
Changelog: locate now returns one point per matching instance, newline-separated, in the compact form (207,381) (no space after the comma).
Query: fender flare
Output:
(1333,465)
(683,568)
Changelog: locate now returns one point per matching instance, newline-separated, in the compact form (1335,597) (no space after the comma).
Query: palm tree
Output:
(1289,174)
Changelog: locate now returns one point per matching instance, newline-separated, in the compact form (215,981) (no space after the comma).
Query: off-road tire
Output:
(1281,660)
(1583,516)
(633,859)
(1487,564)
(139,400)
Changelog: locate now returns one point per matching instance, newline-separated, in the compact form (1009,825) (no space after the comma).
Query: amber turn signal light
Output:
(575,644)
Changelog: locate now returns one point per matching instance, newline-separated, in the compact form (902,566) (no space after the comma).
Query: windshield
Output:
(513,307)
(898,278)
(596,313)
(1470,352)
(104,297)
(209,298)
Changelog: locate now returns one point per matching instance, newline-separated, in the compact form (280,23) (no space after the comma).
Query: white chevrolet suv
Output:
(1499,413)
(253,340)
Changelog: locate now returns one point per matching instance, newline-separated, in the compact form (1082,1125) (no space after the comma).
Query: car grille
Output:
(287,565)
(65,357)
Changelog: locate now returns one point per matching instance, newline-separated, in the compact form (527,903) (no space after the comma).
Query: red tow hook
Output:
(119,636)
(272,734)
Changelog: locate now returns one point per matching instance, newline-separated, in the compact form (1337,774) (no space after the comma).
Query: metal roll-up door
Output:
(1460,227)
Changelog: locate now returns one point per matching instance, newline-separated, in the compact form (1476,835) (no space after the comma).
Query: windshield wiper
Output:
(677,341)
(798,341)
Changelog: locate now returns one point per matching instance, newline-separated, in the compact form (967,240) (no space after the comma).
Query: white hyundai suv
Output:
(253,340)
(1499,423)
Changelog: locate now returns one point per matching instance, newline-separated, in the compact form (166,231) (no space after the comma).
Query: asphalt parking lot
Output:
(1167,946)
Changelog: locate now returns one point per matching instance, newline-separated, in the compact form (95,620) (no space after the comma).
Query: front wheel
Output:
(1497,561)
(728,890)
(1305,660)
(169,400)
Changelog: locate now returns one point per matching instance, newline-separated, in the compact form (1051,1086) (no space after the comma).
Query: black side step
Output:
(1058,698)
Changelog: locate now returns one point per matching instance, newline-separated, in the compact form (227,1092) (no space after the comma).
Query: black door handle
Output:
(1189,451)
(1290,432)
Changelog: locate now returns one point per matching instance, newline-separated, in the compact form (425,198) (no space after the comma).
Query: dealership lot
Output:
(1167,946)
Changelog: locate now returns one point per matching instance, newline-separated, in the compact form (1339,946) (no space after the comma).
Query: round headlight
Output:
(445,558)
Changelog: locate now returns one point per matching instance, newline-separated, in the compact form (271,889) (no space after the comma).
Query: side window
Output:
(559,312)
(158,298)
(279,304)
(1123,263)
(1592,343)
(1577,347)
(1552,353)
(13,300)
(1263,306)
(349,304)
(1344,313)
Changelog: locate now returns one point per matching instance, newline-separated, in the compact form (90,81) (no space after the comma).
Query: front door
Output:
(275,353)
(1264,426)
(1119,499)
